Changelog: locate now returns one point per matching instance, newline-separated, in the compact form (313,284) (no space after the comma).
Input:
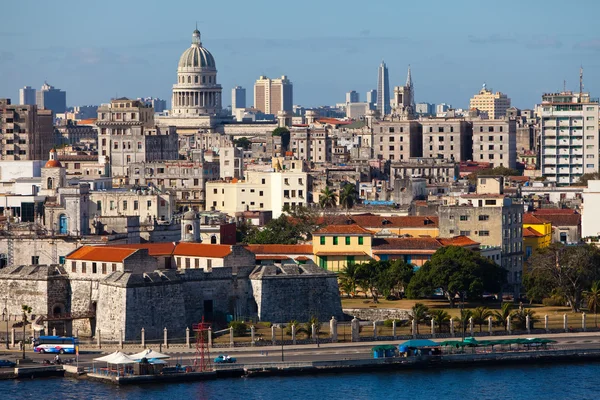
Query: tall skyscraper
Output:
(352,97)
(51,98)
(383,90)
(273,95)
(372,98)
(494,104)
(27,96)
(238,98)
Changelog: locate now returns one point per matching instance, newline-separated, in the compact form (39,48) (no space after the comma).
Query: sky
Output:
(102,49)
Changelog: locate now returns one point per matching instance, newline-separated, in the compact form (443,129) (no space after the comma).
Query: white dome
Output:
(196,56)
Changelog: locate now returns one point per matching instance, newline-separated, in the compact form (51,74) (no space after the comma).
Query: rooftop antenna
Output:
(564,85)
(580,81)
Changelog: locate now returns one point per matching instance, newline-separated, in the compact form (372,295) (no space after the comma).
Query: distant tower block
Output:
(190,227)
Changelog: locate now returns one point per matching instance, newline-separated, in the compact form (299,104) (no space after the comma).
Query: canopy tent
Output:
(148,353)
(384,347)
(415,343)
(157,361)
(116,358)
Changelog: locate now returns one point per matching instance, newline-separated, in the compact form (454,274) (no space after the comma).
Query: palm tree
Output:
(464,317)
(480,316)
(593,300)
(26,310)
(520,318)
(502,315)
(441,318)
(348,196)
(350,276)
(328,198)
(420,314)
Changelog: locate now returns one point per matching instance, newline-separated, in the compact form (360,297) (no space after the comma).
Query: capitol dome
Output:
(196,56)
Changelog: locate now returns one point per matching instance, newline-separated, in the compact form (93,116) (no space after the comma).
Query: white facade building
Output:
(590,217)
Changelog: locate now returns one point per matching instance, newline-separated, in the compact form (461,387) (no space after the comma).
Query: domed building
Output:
(196,92)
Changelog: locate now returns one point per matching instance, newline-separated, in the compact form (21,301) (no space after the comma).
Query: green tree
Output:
(285,137)
(583,179)
(501,316)
(348,196)
(327,198)
(537,288)
(350,277)
(277,231)
(368,277)
(394,277)
(26,310)
(242,142)
(480,316)
(457,271)
(497,171)
(239,328)
(420,314)
(568,269)
(441,318)
(593,300)
(313,320)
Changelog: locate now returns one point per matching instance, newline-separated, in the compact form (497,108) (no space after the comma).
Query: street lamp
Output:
(5,320)
(462,314)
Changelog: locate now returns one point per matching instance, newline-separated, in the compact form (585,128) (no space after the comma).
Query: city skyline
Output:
(514,53)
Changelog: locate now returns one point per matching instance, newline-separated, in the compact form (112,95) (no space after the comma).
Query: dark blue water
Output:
(554,381)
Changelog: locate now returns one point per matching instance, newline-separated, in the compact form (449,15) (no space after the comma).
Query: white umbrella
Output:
(106,358)
(148,353)
(121,358)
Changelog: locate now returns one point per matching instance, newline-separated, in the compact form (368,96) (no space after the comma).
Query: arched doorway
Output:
(62,224)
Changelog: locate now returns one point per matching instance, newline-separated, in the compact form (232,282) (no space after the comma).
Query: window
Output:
(349,260)
(73,266)
(347,240)
(124,204)
(323,262)
(490,202)
(197,263)
(187,262)
(149,203)
(104,268)
(360,240)
(83,267)
(484,217)
(114,268)
(208,265)
(94,268)
(335,240)
(322,240)
(465,233)
(484,233)
(136,205)
(464,217)
(112,205)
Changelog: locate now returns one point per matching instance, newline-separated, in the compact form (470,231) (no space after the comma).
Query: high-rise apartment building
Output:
(383,90)
(494,104)
(569,136)
(447,138)
(27,96)
(372,98)
(273,95)
(352,97)
(26,132)
(238,98)
(51,98)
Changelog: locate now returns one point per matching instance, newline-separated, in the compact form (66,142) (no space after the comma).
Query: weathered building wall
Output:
(84,298)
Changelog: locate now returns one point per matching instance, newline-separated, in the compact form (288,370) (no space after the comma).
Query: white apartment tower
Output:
(569,136)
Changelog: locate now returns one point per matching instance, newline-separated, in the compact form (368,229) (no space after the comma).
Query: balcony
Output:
(549,152)
(550,161)
(550,170)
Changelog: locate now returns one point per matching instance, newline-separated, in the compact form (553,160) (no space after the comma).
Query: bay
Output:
(534,381)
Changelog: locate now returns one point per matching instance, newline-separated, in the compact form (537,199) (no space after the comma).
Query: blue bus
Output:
(55,344)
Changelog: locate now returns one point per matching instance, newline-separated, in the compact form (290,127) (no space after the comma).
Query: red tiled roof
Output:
(530,232)
(280,248)
(302,258)
(388,245)
(154,249)
(274,258)
(458,241)
(202,250)
(101,253)
(562,219)
(529,218)
(371,221)
(561,211)
(351,229)
(341,254)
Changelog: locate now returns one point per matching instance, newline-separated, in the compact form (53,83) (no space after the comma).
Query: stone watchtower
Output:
(190,227)
(53,174)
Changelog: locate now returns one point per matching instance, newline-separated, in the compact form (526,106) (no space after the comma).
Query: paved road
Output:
(326,352)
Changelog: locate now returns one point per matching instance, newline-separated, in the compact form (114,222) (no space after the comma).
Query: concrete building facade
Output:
(273,95)
(50,98)
(495,142)
(494,104)
(27,96)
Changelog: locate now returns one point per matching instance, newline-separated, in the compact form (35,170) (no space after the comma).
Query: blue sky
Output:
(97,50)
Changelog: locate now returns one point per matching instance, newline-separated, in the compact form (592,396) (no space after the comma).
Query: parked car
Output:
(7,364)
(224,359)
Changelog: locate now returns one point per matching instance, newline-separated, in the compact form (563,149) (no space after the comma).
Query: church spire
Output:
(409,78)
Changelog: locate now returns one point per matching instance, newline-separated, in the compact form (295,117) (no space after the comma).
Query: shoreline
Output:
(445,361)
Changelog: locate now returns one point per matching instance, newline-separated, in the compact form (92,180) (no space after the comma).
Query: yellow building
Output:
(537,233)
(336,246)
(495,104)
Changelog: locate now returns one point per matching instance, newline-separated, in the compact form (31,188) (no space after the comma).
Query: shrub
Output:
(239,328)
(388,323)
(264,324)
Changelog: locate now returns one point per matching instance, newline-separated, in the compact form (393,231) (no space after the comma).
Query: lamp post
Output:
(281,341)
(462,313)
(5,320)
